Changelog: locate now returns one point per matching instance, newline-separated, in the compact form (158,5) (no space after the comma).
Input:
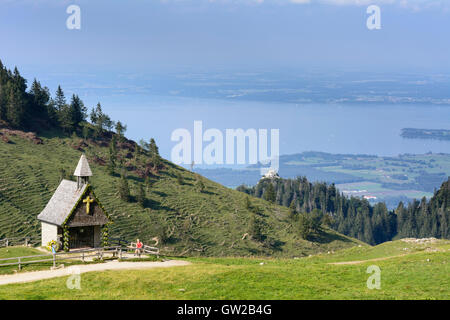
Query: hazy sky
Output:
(172,34)
(111,58)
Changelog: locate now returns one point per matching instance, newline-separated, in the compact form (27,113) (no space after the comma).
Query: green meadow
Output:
(408,271)
(32,254)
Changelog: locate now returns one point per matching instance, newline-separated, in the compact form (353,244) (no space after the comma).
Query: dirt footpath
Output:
(112,265)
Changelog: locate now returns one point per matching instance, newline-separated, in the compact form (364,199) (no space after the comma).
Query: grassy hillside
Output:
(212,222)
(419,273)
(12,252)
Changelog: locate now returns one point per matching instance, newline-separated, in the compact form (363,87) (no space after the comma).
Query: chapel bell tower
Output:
(82,172)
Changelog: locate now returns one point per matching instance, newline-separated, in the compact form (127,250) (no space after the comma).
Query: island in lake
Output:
(435,134)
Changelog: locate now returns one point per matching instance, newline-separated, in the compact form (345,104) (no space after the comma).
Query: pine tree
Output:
(304,226)
(327,220)
(143,144)
(77,111)
(141,196)
(60,99)
(401,220)
(124,189)
(292,210)
(248,204)
(68,114)
(97,119)
(120,130)
(180,180)
(316,220)
(85,132)
(40,99)
(111,162)
(200,185)
(368,232)
(270,195)
(148,183)
(52,114)
(157,162)
(255,227)
(66,119)
(19,82)
(100,120)
(153,148)
(16,107)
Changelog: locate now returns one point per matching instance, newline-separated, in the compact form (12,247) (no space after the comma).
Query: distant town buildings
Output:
(271,174)
(359,193)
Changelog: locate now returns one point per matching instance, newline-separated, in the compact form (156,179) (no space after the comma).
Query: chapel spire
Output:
(82,171)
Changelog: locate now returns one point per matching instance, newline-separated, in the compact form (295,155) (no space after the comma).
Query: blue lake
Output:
(334,128)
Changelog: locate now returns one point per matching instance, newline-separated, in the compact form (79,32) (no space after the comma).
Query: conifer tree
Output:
(100,120)
(112,155)
(148,183)
(124,189)
(120,130)
(248,204)
(292,210)
(40,99)
(111,161)
(85,132)
(77,111)
(200,185)
(141,196)
(255,227)
(153,148)
(16,107)
(304,226)
(180,179)
(60,99)
(269,194)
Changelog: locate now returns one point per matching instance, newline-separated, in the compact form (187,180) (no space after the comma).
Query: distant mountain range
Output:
(294,86)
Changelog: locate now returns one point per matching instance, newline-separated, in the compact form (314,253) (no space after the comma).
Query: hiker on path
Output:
(139,246)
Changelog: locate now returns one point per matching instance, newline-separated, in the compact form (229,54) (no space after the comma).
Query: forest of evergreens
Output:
(356,217)
(35,109)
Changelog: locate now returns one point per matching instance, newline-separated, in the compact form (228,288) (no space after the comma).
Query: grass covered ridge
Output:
(211,222)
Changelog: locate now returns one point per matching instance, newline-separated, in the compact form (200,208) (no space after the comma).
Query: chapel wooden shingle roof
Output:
(83,169)
(62,202)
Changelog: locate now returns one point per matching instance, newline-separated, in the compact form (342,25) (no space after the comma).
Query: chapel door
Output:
(81,237)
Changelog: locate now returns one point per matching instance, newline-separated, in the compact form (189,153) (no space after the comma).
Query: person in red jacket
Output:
(139,246)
